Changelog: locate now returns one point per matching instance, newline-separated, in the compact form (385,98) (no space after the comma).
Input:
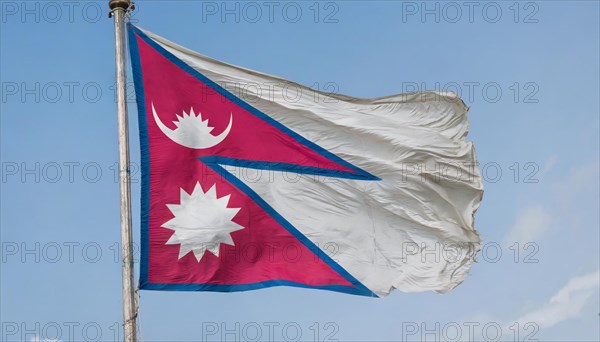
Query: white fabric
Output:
(414,229)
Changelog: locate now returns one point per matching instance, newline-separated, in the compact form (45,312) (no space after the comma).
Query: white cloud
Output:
(566,303)
(531,224)
(581,178)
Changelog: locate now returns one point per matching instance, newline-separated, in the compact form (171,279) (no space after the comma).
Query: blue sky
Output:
(528,70)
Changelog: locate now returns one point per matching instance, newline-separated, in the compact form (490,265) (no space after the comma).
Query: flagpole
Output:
(119,9)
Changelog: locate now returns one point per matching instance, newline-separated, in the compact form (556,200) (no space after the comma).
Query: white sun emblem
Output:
(202,222)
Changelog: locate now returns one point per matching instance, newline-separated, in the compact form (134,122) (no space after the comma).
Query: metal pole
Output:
(118,9)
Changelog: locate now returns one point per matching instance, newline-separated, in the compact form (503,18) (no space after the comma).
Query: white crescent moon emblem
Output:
(192,131)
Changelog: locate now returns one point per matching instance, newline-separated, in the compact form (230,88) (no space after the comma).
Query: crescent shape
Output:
(192,132)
